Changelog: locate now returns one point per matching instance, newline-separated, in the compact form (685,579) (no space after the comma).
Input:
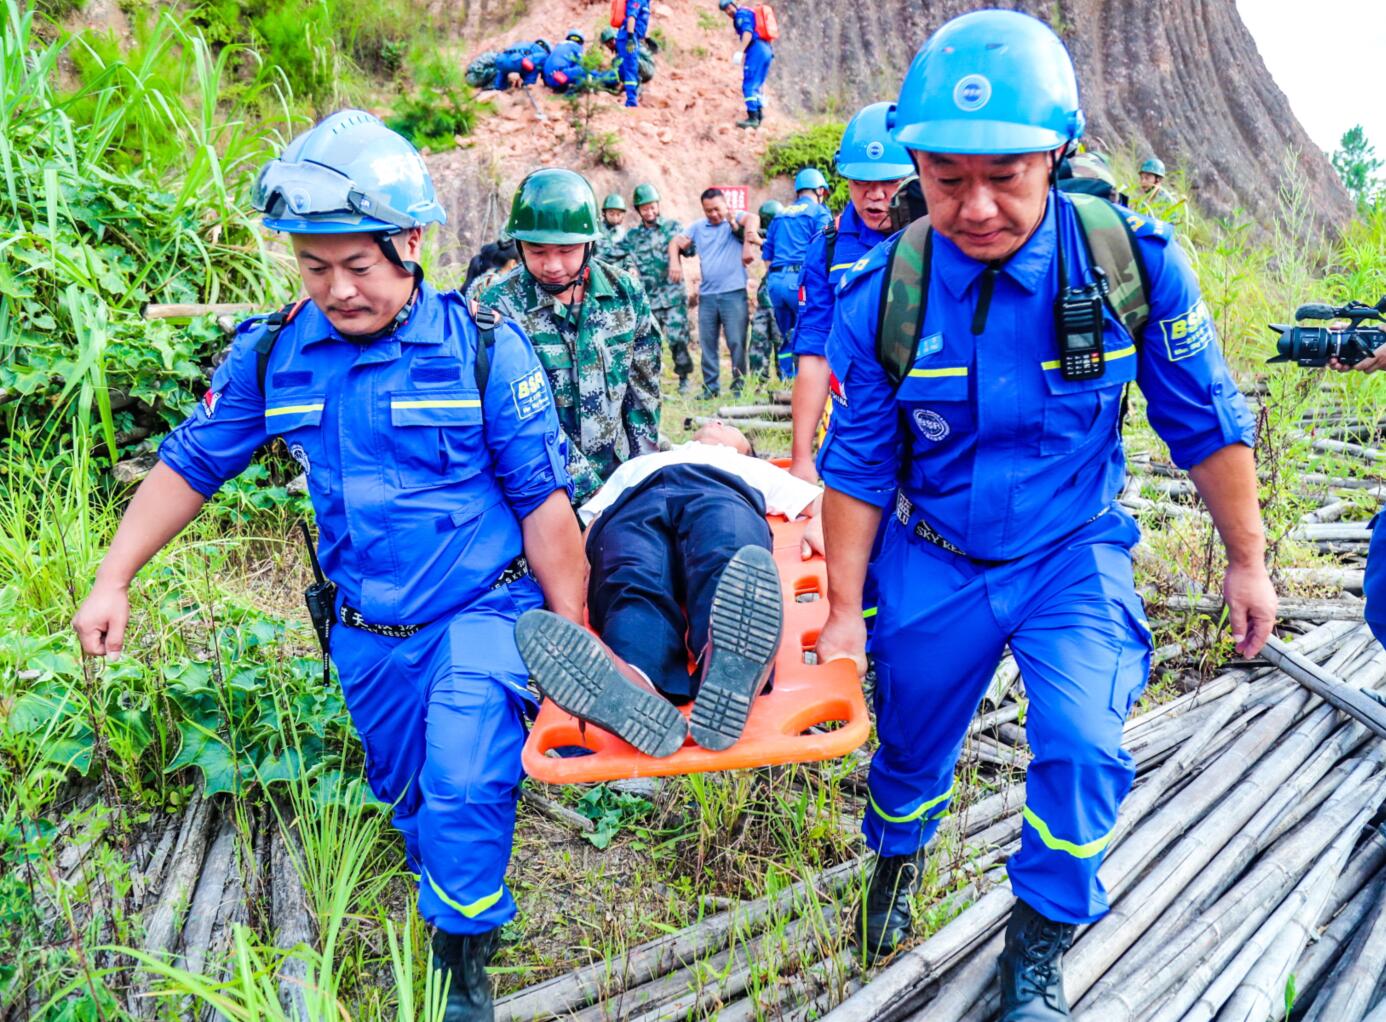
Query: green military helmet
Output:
(554,206)
(1155,166)
(769,209)
(644,195)
(608,35)
(614,201)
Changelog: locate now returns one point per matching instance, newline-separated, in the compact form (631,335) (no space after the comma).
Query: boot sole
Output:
(745,623)
(573,670)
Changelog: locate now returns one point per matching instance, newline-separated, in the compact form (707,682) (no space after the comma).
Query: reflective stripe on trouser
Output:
(442,720)
(629,65)
(1374,585)
(783,288)
(1078,633)
(757,66)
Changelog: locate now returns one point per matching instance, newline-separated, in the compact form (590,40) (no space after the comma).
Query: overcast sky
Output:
(1328,57)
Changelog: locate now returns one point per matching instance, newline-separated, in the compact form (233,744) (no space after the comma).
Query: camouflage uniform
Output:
(610,247)
(647,249)
(765,335)
(603,368)
(483,281)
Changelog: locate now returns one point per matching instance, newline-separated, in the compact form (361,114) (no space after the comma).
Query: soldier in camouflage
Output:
(647,246)
(609,245)
(590,325)
(765,332)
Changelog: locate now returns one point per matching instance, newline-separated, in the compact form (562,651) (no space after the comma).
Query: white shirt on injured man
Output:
(784,494)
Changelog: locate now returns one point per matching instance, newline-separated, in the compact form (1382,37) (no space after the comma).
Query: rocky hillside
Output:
(1181,77)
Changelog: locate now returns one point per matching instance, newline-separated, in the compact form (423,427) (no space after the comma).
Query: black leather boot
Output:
(462,958)
(889,915)
(1032,978)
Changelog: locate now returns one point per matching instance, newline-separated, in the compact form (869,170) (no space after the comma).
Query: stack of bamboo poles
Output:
(1246,836)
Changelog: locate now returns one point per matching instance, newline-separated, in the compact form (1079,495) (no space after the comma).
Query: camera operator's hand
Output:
(1367,365)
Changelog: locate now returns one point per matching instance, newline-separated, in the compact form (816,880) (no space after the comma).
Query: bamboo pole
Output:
(1346,698)
(206,897)
(1258,964)
(963,987)
(1334,532)
(188,310)
(1138,909)
(1217,933)
(581,987)
(1339,929)
(1348,999)
(162,928)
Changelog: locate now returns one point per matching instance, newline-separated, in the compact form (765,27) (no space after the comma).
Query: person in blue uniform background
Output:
(783,250)
(754,57)
(1000,476)
(524,60)
(874,164)
(628,39)
(1374,581)
(563,68)
(442,502)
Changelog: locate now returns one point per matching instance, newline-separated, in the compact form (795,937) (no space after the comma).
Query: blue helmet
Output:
(989,82)
(346,174)
(809,178)
(868,153)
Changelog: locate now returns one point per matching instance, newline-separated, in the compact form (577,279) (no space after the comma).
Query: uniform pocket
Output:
(936,400)
(436,436)
(296,417)
(1078,410)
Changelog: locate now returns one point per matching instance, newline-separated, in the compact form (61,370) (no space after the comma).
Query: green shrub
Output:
(431,118)
(813,147)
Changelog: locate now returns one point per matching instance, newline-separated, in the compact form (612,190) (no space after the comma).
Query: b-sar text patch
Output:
(530,394)
(1188,334)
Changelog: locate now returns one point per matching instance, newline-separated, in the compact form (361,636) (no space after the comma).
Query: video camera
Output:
(1314,345)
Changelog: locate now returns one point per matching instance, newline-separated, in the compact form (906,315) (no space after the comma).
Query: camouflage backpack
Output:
(1111,247)
(481,72)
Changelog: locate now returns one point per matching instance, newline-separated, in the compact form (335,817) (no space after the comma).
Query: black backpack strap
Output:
(829,247)
(904,300)
(486,319)
(275,322)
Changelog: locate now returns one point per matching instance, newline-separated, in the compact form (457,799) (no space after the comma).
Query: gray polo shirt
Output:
(719,254)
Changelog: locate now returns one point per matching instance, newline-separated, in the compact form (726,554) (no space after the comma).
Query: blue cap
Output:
(348,173)
(989,82)
(809,178)
(868,153)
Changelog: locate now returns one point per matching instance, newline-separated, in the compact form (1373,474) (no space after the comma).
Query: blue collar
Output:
(1028,267)
(851,223)
(424,326)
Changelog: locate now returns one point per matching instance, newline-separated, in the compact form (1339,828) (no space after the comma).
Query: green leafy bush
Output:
(431,118)
(813,147)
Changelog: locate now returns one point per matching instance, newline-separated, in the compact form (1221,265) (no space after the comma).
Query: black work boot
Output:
(583,677)
(743,636)
(889,915)
(462,958)
(752,120)
(1032,978)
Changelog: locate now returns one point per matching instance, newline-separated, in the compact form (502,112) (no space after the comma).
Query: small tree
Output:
(1356,163)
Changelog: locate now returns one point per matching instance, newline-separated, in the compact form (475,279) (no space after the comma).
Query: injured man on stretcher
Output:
(681,561)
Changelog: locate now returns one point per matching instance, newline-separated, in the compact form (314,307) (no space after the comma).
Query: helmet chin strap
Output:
(554,290)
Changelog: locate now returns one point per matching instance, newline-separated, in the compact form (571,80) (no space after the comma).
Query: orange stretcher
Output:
(805,696)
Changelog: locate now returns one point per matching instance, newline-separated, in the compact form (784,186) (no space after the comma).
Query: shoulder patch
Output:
(529,394)
(1189,333)
(1145,226)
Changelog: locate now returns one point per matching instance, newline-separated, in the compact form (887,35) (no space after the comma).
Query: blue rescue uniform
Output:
(999,479)
(818,281)
(755,66)
(419,484)
(1374,584)
(525,60)
(786,243)
(563,68)
(628,48)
